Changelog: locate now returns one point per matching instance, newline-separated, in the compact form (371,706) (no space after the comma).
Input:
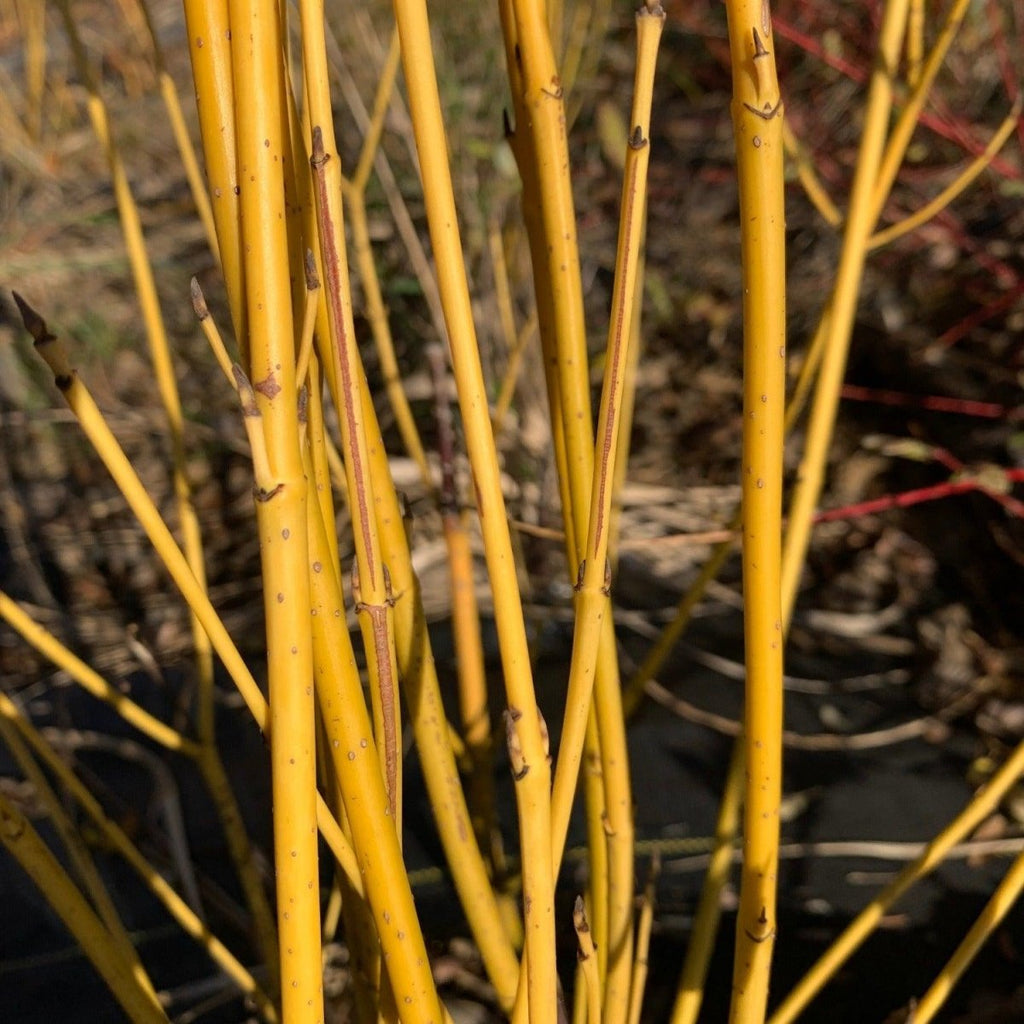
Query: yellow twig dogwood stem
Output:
(984,803)
(690,993)
(28,849)
(117,840)
(209,763)
(81,866)
(263,155)
(419,678)
(903,130)
(361,785)
(587,958)
(955,187)
(376,312)
(90,681)
(210,41)
(644,926)
(860,222)
(1002,901)
(593,639)
(412,646)
(527,734)
(757,122)
(371,580)
(474,711)
(81,403)
(186,151)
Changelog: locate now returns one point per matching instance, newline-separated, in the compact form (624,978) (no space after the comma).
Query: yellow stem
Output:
(50,647)
(525,728)
(210,45)
(32,854)
(980,807)
(594,653)
(357,767)
(371,578)
(120,842)
(74,844)
(808,176)
(81,403)
(588,962)
(859,224)
(262,142)
(1001,903)
(643,941)
(915,41)
(757,122)
(690,993)
(211,331)
(952,190)
(903,130)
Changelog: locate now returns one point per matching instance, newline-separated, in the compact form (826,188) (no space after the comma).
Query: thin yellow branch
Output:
(959,184)
(32,854)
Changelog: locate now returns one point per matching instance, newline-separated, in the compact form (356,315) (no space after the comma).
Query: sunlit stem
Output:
(118,841)
(690,994)
(525,729)
(980,807)
(1003,900)
(644,926)
(859,225)
(757,124)
(962,181)
(588,962)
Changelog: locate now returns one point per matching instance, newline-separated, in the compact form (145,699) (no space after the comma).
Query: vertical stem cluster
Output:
(526,733)
(276,189)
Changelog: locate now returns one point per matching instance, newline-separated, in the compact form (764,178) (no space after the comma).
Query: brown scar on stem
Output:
(768,112)
(581,572)
(385,679)
(545,736)
(331,259)
(261,494)
(520,768)
(581,924)
(637,140)
(762,919)
(268,387)
(320,155)
(309,268)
